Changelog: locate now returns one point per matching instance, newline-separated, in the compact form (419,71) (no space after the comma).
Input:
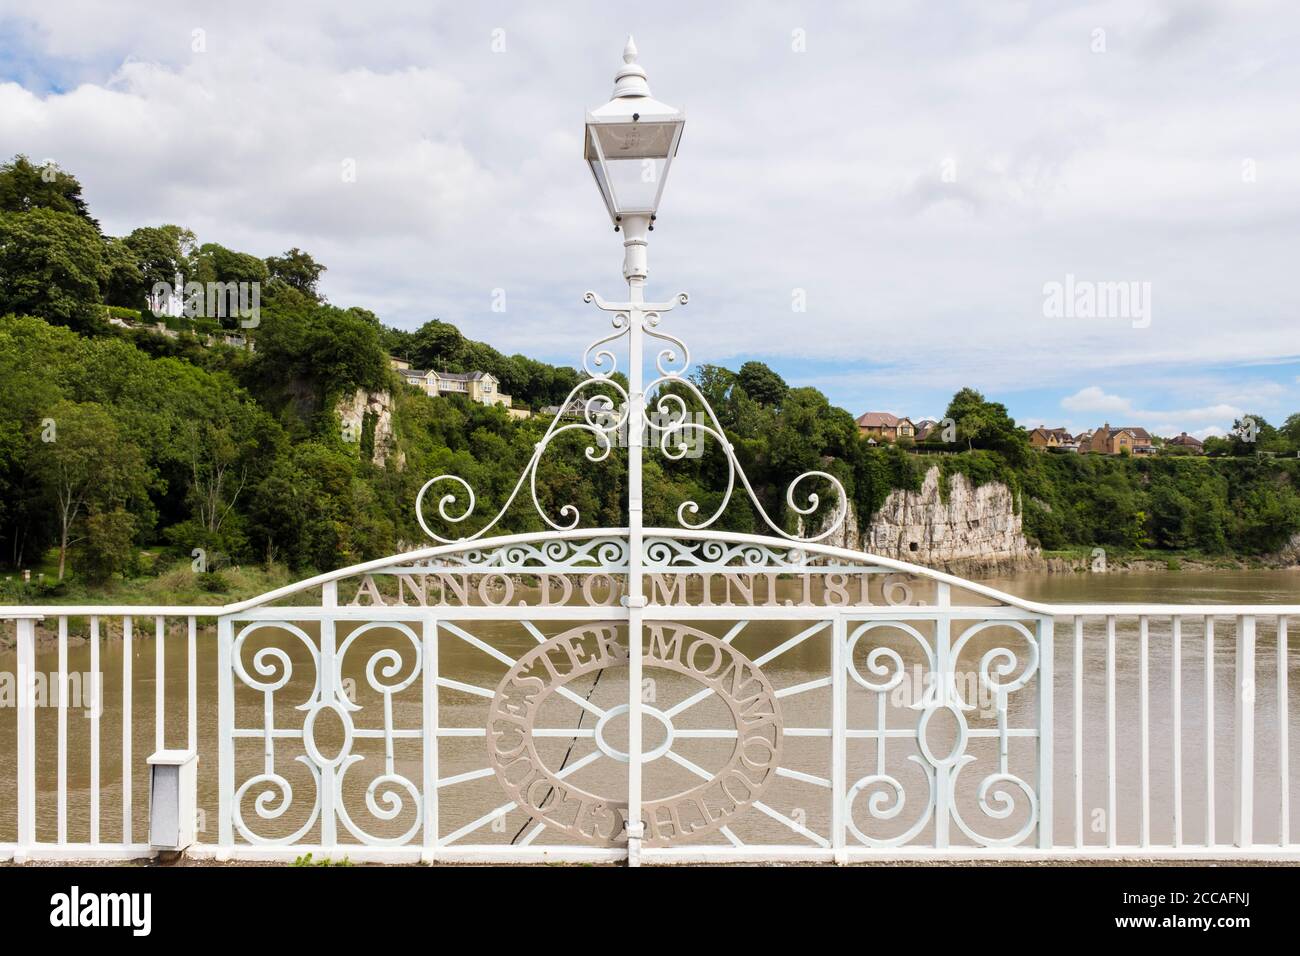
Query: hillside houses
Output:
(1053,439)
(1108,440)
(480,387)
(882,426)
(1111,440)
(1189,444)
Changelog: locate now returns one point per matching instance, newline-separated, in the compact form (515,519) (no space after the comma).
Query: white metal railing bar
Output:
(1046,709)
(839,740)
(159,683)
(1078,731)
(473,641)
(97,708)
(429,744)
(1144,731)
(1209,731)
(1112,828)
(464,688)
(801,776)
(62,805)
(126,729)
(1243,791)
(464,777)
(1176,685)
(1283,742)
(805,687)
(192,684)
(26,638)
(791,643)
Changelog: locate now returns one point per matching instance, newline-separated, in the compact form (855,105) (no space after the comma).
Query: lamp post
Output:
(630,143)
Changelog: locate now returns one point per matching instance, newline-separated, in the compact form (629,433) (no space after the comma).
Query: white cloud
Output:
(817,170)
(1092,401)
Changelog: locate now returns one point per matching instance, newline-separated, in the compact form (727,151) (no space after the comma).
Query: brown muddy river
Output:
(471,791)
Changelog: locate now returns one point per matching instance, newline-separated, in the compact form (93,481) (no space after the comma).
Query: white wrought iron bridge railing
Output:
(469,702)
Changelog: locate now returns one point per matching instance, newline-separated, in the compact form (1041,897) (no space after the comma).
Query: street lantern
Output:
(630,143)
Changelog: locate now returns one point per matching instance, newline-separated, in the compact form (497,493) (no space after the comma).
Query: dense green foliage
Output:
(115,440)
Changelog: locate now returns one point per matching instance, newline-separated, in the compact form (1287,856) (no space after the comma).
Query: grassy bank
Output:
(168,584)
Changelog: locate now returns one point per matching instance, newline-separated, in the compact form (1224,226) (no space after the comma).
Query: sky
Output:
(1088,211)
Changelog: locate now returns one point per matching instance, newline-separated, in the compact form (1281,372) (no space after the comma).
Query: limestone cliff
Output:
(976,528)
(353,411)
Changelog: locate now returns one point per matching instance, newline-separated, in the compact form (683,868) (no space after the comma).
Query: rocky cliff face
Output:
(352,411)
(976,528)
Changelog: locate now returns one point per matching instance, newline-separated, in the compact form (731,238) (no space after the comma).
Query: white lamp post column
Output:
(629,143)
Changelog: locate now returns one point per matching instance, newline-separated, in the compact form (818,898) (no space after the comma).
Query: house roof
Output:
(881,420)
(1186,439)
(446,376)
(1139,433)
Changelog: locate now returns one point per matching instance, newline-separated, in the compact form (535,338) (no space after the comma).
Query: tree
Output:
(984,424)
(122,283)
(86,465)
(25,186)
(106,548)
(762,384)
(51,265)
(1252,434)
(163,253)
(216,263)
(1290,432)
(1171,515)
(298,270)
(437,344)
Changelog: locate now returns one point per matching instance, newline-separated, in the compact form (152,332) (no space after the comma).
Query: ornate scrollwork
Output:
(606,554)
(1002,806)
(673,554)
(388,672)
(999,671)
(604,420)
(675,427)
(885,798)
(601,418)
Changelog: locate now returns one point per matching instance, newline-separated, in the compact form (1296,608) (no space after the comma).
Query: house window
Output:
(487,386)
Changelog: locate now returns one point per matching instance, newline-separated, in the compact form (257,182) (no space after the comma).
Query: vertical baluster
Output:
(429,690)
(63,732)
(97,708)
(225,739)
(159,686)
(1046,731)
(1176,684)
(1283,754)
(943,777)
(192,687)
(1078,731)
(839,772)
(326,675)
(126,730)
(1209,731)
(1144,720)
(26,628)
(1111,829)
(1243,790)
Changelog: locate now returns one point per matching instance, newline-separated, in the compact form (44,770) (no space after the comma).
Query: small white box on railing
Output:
(172,798)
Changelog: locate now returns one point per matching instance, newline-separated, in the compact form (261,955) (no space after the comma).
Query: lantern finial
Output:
(630,80)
